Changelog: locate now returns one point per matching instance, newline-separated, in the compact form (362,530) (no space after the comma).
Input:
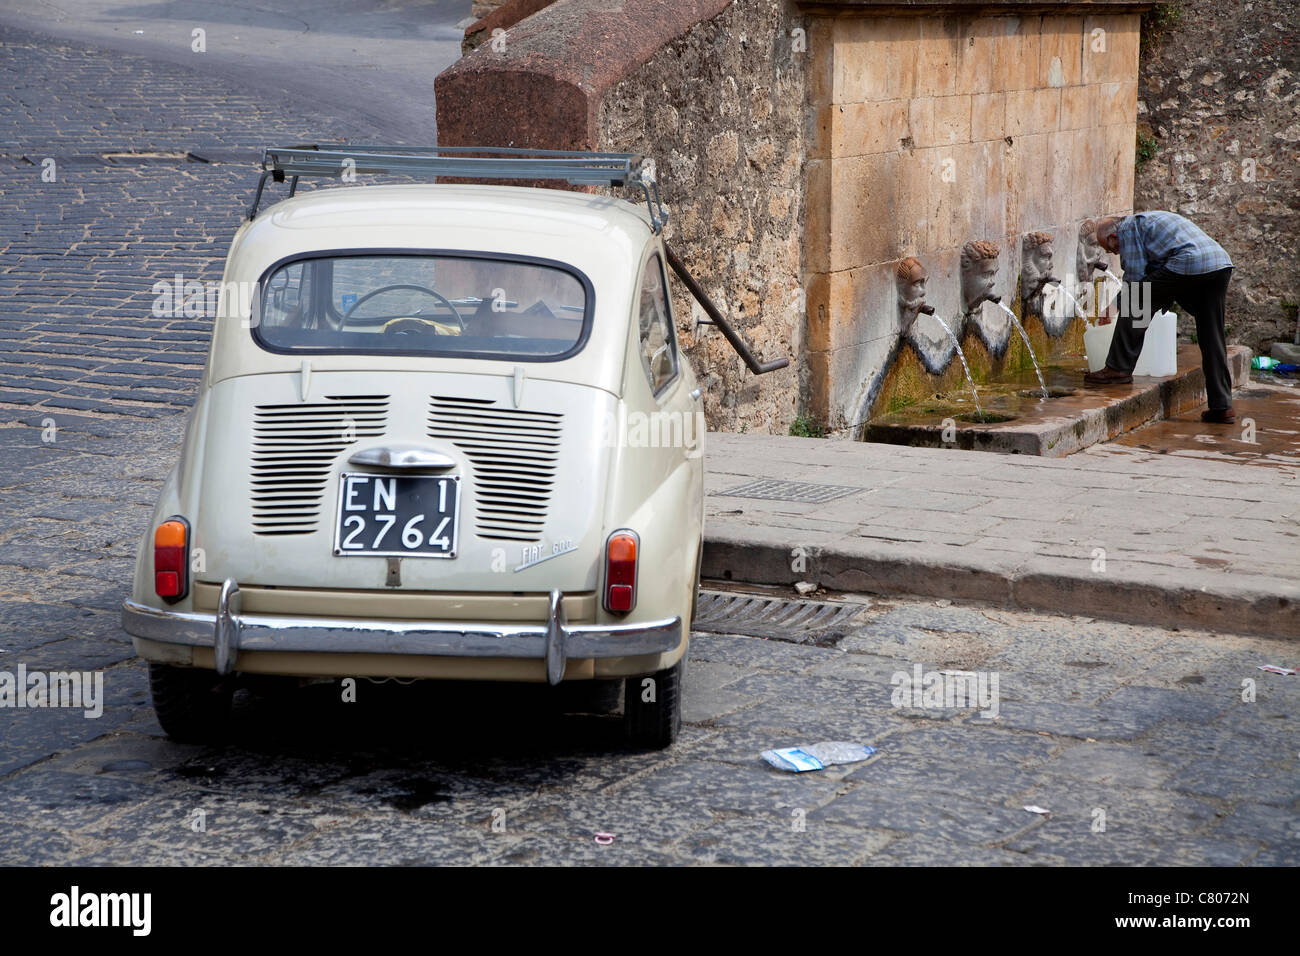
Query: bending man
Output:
(1177,262)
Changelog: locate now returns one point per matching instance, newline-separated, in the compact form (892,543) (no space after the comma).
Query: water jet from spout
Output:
(1025,336)
(962,355)
(1078,310)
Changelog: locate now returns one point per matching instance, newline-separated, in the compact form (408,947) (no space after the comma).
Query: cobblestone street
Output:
(1147,726)
(152,172)
(1145,745)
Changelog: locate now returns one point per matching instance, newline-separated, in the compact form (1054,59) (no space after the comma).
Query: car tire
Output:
(655,724)
(192,704)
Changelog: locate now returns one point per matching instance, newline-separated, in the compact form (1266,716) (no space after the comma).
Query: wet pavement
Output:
(1266,433)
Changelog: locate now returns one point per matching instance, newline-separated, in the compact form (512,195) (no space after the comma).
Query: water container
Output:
(1160,348)
(1159,356)
(1096,342)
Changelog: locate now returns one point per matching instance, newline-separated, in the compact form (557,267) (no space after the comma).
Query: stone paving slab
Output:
(1116,531)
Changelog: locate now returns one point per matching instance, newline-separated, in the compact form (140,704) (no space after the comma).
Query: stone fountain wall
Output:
(927,132)
(805,147)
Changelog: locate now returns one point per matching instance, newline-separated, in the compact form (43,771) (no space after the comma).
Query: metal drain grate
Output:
(800,622)
(778,490)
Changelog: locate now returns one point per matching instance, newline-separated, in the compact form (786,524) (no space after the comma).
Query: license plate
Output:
(403,515)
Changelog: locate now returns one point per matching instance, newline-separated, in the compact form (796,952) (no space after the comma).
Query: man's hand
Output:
(1107,313)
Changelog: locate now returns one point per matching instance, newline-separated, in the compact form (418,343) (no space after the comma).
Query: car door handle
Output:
(403,457)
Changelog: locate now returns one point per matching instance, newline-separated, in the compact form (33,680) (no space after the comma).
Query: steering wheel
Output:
(415,288)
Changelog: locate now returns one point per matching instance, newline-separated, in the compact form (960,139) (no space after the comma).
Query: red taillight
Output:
(171,559)
(620,572)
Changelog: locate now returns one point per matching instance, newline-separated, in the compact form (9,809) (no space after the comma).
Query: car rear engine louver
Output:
(294,448)
(514,452)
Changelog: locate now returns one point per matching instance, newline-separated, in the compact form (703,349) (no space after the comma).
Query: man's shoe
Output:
(1108,376)
(1220,416)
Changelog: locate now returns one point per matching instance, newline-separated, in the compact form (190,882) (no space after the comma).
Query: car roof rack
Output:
(463,162)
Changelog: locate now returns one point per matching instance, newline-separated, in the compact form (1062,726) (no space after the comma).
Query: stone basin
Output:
(1074,418)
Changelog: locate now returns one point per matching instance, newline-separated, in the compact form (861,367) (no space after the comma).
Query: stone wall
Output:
(805,146)
(930,132)
(721,110)
(1220,98)
(712,90)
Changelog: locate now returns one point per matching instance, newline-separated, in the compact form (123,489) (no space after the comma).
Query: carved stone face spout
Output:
(1090,256)
(979,273)
(911,277)
(1035,265)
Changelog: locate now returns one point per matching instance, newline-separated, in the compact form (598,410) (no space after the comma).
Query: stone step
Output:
(1286,352)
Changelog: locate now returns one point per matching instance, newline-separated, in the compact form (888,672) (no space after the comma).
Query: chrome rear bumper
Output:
(228,633)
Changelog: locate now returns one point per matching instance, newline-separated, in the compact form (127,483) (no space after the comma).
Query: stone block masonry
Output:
(928,132)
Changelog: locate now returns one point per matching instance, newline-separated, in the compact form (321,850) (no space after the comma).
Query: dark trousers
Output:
(1205,297)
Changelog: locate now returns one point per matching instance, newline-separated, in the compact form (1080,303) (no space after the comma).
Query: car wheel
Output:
(652,707)
(192,704)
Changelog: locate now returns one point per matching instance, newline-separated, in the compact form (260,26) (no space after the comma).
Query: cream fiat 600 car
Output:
(444,431)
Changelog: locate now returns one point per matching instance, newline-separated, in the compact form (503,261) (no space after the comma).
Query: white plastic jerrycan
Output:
(1159,356)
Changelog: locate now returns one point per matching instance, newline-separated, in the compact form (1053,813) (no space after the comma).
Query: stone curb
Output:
(1192,599)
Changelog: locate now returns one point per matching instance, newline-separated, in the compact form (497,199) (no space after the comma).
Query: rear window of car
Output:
(458,305)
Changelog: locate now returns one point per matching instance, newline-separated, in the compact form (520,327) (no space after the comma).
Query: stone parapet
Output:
(543,87)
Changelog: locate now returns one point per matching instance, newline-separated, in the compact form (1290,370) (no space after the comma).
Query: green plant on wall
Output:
(1146,148)
(805,427)
(1158,21)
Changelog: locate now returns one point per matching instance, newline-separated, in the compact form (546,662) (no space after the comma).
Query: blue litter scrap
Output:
(817,757)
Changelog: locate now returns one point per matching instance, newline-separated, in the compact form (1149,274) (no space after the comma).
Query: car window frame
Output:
(657,253)
(584,335)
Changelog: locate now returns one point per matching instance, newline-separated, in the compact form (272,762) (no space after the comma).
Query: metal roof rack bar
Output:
(463,162)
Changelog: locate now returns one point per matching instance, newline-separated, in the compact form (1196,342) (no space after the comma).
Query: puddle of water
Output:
(1266,433)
